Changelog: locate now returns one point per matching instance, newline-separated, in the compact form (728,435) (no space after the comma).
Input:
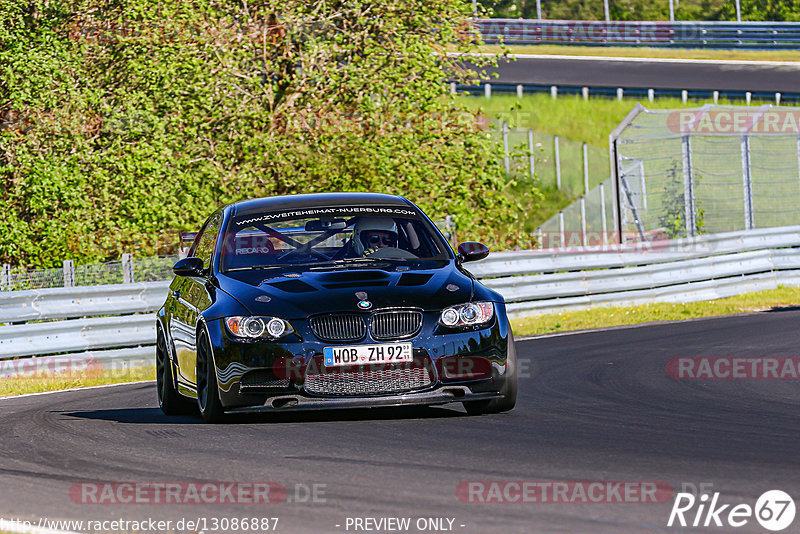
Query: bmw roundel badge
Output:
(364,304)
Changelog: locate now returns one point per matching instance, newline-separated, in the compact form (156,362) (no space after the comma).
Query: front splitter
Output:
(445,395)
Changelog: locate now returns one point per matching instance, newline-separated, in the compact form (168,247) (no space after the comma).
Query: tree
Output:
(124,121)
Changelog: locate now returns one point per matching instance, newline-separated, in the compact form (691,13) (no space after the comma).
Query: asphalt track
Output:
(657,74)
(593,406)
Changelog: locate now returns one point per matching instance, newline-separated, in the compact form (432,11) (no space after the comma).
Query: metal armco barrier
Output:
(44,304)
(742,35)
(681,270)
(76,335)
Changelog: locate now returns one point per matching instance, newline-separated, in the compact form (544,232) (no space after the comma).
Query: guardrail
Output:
(88,322)
(102,324)
(682,270)
(489,89)
(684,34)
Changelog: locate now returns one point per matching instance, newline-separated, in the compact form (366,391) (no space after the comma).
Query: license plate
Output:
(367,354)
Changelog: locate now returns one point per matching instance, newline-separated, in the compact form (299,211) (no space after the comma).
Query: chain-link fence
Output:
(555,162)
(578,170)
(129,269)
(708,170)
(589,221)
(683,173)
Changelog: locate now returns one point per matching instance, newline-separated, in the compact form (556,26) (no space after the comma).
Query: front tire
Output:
(207,387)
(508,390)
(169,400)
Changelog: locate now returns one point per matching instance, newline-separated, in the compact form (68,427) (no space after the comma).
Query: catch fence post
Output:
(531,163)
(747,183)
(585,169)
(506,158)
(688,185)
(558,162)
(69,273)
(6,277)
(603,222)
(127,268)
(583,221)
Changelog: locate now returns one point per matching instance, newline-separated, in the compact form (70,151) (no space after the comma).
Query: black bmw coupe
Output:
(341,300)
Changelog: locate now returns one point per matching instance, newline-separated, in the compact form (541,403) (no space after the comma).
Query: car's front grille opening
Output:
(341,327)
(395,324)
(368,379)
(262,380)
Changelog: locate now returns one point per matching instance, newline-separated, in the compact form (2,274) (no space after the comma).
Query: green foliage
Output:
(123,121)
(756,10)
(674,217)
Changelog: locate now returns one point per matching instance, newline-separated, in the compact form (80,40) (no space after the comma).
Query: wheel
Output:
(207,388)
(169,400)
(509,389)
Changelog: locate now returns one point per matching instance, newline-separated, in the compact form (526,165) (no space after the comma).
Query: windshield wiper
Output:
(274,266)
(251,268)
(324,264)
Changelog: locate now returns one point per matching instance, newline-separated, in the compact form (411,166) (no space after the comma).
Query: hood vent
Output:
(292,286)
(414,279)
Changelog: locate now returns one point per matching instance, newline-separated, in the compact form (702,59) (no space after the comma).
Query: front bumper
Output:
(294,402)
(234,359)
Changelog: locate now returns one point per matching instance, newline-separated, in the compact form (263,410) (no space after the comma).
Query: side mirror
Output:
(190,266)
(472,251)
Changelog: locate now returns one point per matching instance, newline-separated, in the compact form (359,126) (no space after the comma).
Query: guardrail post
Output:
(127,268)
(519,90)
(6,277)
(585,169)
(506,158)
(69,273)
(620,92)
(531,158)
(585,92)
(688,185)
(747,97)
(777,99)
(715,96)
(651,94)
(684,96)
(554,91)
(747,183)
(558,162)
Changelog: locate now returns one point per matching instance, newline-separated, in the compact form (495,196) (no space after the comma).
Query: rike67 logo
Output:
(774,510)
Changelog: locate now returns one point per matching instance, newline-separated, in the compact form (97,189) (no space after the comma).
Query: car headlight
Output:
(470,314)
(258,327)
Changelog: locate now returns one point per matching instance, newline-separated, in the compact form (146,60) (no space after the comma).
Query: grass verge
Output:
(600,317)
(38,384)
(671,53)
(569,116)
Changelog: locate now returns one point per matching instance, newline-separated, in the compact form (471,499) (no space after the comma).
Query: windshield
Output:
(324,236)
